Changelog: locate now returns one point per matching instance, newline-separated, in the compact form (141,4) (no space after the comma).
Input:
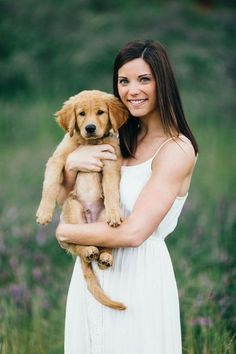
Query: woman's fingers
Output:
(106,156)
(98,163)
(106,152)
(105,147)
(89,158)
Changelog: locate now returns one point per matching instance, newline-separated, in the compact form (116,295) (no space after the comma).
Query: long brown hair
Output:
(169,102)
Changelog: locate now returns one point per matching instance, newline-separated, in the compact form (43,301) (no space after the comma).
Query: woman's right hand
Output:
(88,158)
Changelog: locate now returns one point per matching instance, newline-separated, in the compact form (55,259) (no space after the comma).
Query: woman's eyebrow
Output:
(145,75)
(124,77)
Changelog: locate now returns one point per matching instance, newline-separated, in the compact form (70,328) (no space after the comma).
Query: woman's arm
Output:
(170,168)
(86,158)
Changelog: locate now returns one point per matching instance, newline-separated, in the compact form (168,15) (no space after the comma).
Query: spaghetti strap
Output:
(161,146)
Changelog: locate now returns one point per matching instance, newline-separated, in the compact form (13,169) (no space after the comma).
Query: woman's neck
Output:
(151,128)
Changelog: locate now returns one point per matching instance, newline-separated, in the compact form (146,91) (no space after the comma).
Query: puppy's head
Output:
(92,114)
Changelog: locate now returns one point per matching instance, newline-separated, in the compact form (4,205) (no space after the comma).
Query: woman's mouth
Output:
(137,102)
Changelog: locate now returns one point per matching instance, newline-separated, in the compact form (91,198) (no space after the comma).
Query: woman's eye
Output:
(82,114)
(123,81)
(100,112)
(145,79)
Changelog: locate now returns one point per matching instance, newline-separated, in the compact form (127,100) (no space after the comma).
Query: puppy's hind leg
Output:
(73,213)
(105,257)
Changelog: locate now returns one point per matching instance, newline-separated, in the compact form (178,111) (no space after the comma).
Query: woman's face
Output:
(137,88)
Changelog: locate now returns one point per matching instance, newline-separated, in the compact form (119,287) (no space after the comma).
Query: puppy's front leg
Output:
(110,184)
(51,185)
(53,179)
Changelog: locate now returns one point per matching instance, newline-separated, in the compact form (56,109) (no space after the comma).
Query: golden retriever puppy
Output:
(90,117)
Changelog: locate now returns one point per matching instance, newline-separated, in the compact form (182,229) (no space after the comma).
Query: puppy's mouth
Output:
(92,135)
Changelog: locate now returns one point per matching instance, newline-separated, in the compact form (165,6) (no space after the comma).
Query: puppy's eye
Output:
(100,112)
(82,114)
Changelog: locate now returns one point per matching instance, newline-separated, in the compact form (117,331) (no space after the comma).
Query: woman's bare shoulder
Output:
(184,145)
(178,152)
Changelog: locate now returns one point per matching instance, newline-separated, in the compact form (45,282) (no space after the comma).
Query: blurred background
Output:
(50,50)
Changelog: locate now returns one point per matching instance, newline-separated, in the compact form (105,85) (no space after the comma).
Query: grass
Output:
(35,272)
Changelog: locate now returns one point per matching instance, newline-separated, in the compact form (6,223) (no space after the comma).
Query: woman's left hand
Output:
(59,230)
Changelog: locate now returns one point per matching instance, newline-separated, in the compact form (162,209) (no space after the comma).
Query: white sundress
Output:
(142,278)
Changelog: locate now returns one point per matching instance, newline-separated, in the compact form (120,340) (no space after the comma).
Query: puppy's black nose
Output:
(90,128)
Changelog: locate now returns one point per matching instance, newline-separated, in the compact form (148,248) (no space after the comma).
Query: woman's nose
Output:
(133,88)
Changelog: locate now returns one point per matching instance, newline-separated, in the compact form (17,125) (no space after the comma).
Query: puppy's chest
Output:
(88,189)
(88,186)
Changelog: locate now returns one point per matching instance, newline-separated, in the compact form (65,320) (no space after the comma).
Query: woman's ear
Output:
(66,117)
(118,113)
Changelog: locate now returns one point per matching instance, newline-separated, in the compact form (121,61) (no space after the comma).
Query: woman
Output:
(159,153)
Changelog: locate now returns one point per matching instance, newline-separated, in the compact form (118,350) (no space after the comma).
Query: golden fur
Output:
(89,118)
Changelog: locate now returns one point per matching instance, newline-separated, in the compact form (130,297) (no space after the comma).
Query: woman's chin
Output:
(135,112)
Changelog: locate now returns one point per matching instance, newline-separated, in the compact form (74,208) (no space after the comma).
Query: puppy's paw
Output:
(105,260)
(90,254)
(114,217)
(44,216)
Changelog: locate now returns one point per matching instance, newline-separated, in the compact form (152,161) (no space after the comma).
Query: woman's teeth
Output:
(136,102)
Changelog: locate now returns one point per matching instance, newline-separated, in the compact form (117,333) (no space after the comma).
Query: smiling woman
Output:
(159,153)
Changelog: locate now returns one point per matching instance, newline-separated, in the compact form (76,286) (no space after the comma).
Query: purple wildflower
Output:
(19,294)
(37,273)
(201,321)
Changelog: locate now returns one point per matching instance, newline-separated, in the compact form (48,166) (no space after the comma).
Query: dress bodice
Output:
(133,179)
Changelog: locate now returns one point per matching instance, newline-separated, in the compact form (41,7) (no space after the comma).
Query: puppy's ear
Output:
(66,117)
(118,113)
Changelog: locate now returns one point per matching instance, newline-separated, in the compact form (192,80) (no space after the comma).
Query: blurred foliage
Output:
(62,46)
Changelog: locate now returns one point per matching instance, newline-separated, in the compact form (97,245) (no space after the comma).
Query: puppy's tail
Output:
(95,288)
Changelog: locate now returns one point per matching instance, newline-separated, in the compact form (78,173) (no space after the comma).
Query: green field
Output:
(50,55)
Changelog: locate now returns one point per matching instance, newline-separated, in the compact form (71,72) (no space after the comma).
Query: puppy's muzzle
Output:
(90,129)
